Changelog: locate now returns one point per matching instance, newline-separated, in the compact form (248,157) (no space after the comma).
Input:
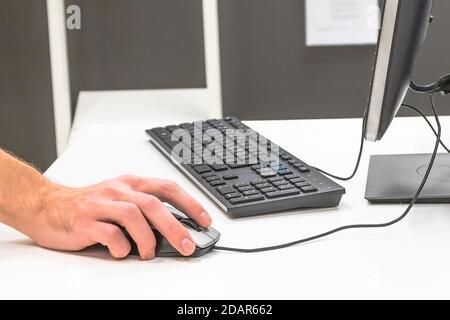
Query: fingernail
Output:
(205,219)
(188,246)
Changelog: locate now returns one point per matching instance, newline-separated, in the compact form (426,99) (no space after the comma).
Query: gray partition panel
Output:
(269,73)
(137,44)
(26,103)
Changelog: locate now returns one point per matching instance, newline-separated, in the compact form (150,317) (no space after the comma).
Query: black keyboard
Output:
(242,171)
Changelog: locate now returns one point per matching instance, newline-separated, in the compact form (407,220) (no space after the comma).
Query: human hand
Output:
(73,219)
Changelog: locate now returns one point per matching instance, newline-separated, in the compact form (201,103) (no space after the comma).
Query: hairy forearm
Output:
(22,192)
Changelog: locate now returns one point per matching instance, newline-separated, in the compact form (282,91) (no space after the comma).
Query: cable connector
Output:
(445,89)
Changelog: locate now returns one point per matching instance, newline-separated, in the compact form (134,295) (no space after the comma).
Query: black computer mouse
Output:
(205,239)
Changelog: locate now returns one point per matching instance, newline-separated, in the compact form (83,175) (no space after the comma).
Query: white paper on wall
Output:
(342,22)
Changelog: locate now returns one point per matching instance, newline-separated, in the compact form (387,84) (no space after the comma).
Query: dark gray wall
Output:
(26,106)
(434,58)
(137,44)
(268,72)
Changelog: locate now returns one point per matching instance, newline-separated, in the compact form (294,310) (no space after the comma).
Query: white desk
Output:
(409,260)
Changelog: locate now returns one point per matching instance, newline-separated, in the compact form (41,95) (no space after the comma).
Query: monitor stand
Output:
(396,178)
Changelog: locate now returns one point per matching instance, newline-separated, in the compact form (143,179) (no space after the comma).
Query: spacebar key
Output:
(281,194)
(248,199)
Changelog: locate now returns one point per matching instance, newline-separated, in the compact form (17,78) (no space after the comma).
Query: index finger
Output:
(169,191)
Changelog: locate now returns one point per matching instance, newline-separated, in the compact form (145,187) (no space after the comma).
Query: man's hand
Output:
(73,219)
(68,219)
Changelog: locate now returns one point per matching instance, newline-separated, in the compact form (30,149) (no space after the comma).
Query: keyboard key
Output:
(272,180)
(291,177)
(267,173)
(280,183)
(230,177)
(170,143)
(237,166)
(217,183)
(267,190)
(304,169)
(212,178)
(257,167)
(186,125)
(208,174)
(278,167)
(286,187)
(223,190)
(284,172)
(202,169)
(309,189)
(298,180)
(242,184)
(292,161)
(302,184)
(172,128)
(263,185)
(164,134)
(248,199)
(260,181)
(232,195)
(283,193)
(243,189)
(219,167)
(285,157)
(250,193)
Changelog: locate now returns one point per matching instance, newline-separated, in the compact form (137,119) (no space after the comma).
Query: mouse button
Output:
(179,218)
(192,224)
(201,239)
(213,234)
(177,213)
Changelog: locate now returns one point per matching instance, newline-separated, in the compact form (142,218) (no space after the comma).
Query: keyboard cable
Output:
(366,226)
(358,162)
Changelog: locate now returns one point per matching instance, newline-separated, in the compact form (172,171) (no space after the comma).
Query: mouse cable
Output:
(362,226)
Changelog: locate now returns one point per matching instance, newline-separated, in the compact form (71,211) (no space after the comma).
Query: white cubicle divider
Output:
(60,72)
(212,57)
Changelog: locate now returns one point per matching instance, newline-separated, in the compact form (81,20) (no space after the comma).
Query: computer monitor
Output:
(395,178)
(403,30)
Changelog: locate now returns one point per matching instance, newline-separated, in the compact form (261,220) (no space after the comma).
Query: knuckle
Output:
(129,211)
(113,233)
(152,202)
(111,191)
(169,186)
(127,178)
(123,177)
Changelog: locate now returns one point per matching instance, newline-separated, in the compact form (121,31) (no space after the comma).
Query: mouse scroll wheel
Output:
(190,223)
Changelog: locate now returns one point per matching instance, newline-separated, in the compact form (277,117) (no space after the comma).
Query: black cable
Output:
(362,226)
(361,148)
(442,85)
(358,162)
(428,122)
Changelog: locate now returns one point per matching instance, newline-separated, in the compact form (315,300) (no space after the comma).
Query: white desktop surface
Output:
(408,260)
